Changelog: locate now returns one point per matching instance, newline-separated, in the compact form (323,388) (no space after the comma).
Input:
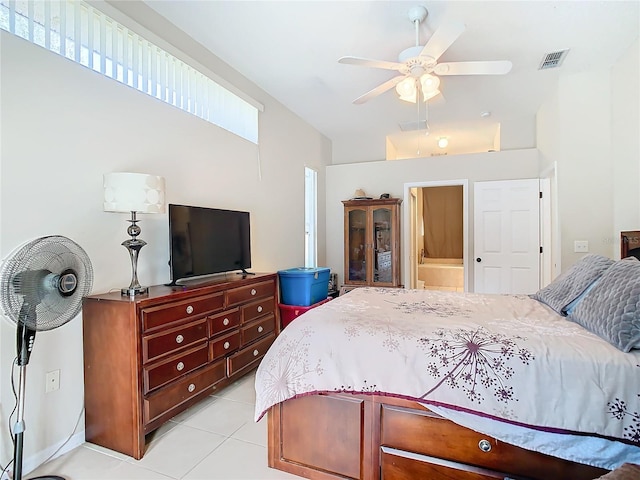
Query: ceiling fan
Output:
(418,66)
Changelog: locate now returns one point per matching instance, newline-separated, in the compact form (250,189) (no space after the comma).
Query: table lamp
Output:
(135,193)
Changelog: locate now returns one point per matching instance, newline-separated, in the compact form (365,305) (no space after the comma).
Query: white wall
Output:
(390,177)
(63,126)
(589,128)
(625,141)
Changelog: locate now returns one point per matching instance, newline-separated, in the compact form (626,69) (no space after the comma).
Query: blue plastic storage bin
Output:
(303,286)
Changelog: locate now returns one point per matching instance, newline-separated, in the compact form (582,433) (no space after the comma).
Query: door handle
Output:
(478,259)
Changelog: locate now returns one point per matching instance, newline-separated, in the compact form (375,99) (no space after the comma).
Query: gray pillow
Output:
(611,309)
(570,284)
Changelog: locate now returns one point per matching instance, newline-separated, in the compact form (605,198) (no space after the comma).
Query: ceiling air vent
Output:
(411,126)
(553,60)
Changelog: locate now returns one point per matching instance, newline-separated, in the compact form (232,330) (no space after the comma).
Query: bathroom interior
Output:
(439,239)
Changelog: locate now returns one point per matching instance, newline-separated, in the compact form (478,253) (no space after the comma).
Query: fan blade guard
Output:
(39,275)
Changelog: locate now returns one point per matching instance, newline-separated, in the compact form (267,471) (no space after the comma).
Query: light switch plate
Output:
(52,381)
(581,246)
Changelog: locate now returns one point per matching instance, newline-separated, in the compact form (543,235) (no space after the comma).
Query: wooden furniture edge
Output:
(371,440)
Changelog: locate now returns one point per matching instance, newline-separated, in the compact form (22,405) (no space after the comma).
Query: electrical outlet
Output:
(52,380)
(581,246)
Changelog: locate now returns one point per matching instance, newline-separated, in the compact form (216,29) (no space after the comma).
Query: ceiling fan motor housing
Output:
(417,14)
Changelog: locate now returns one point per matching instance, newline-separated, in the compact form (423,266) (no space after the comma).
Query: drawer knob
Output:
(259,308)
(225,322)
(260,329)
(189,309)
(226,345)
(253,291)
(256,353)
(191,387)
(180,366)
(484,445)
(179,339)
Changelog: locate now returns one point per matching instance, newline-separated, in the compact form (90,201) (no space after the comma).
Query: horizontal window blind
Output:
(83,34)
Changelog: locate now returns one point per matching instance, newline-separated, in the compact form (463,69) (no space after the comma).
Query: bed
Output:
(405,384)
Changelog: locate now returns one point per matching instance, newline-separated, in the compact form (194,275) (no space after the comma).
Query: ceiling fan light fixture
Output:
(430,95)
(429,83)
(406,89)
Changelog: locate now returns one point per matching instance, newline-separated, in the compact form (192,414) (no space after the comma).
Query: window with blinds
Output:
(87,36)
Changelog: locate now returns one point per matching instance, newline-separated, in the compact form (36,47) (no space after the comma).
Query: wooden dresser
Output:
(149,358)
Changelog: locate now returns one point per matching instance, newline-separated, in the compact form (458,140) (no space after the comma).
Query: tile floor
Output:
(217,439)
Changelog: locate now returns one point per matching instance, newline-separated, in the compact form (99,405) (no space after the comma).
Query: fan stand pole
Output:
(25,340)
(18,427)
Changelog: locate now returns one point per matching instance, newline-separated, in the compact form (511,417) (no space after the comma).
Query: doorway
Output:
(436,236)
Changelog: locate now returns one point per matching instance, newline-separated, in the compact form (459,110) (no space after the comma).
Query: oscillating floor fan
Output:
(41,288)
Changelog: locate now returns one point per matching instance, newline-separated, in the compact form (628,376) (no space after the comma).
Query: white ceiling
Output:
(291,50)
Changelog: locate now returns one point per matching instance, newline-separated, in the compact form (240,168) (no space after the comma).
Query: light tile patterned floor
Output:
(216,439)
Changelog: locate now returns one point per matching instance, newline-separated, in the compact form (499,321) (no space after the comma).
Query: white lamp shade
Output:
(133,192)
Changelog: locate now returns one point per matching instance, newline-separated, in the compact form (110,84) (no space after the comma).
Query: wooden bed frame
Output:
(371,437)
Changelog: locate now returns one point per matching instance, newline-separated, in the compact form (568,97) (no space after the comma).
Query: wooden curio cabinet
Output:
(372,242)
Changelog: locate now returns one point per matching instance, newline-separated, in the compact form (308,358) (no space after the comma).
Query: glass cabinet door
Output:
(382,245)
(357,245)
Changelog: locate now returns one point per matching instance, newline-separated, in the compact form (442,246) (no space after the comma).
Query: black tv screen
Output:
(205,241)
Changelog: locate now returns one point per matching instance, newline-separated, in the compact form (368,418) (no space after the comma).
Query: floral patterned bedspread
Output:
(507,357)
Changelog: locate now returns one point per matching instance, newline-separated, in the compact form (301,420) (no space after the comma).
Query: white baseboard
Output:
(32,462)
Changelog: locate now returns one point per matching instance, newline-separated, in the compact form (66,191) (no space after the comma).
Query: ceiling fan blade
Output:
(498,67)
(388,85)
(365,62)
(442,39)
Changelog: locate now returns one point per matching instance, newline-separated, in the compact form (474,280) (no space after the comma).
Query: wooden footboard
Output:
(365,437)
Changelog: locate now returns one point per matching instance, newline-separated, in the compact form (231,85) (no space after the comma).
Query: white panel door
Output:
(506,236)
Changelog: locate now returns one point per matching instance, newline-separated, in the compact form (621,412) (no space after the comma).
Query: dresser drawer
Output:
(174,339)
(223,321)
(154,317)
(399,465)
(164,372)
(426,433)
(249,356)
(258,329)
(172,396)
(257,309)
(224,345)
(257,290)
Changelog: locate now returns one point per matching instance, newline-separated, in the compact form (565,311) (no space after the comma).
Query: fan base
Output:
(417,14)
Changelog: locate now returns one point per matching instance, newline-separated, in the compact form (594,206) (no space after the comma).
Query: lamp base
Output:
(132,292)
(133,246)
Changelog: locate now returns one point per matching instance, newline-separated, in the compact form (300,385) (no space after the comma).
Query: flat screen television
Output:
(205,241)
